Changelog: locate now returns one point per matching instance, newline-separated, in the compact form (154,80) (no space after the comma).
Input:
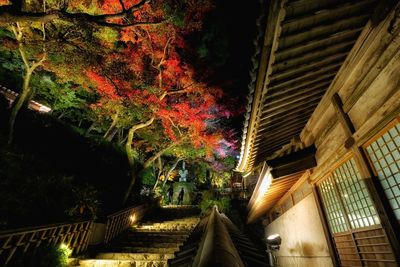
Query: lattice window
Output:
(355,197)
(331,202)
(385,157)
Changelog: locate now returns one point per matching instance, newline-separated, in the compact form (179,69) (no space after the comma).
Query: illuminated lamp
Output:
(273,244)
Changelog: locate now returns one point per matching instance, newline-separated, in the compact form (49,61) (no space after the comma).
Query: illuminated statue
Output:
(183,173)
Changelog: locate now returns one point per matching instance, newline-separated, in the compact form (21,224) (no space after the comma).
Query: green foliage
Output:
(230,162)
(87,202)
(176,16)
(60,97)
(44,256)
(200,172)
(106,34)
(210,199)
(148,177)
(221,179)
(5,33)
(9,60)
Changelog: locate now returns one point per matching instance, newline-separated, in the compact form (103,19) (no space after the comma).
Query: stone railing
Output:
(17,242)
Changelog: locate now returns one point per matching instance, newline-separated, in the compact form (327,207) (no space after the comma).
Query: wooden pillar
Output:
(325,226)
(385,213)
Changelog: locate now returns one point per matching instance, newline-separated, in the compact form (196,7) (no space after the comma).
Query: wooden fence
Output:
(120,221)
(17,242)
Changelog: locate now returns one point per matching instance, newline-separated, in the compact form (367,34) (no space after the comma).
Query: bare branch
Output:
(122,5)
(157,155)
(176,127)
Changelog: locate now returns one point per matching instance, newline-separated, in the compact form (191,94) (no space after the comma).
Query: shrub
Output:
(209,199)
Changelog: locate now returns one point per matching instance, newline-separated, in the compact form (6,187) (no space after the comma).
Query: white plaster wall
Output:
(303,239)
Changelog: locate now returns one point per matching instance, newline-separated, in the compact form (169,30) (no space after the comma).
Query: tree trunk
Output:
(130,154)
(91,127)
(169,172)
(157,155)
(160,169)
(112,126)
(26,90)
(62,114)
(110,137)
(19,102)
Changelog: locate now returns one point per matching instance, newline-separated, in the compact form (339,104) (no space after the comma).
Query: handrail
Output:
(216,247)
(122,220)
(74,235)
(11,95)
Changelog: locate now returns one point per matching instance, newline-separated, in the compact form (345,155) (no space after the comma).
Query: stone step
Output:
(173,223)
(164,239)
(120,263)
(168,250)
(152,243)
(135,256)
(144,230)
(155,235)
(131,243)
(166,227)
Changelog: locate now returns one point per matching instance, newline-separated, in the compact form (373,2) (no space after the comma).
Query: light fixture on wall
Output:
(273,244)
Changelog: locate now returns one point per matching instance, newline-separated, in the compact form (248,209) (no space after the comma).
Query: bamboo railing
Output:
(16,242)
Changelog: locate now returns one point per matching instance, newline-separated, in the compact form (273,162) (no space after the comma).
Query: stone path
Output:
(150,244)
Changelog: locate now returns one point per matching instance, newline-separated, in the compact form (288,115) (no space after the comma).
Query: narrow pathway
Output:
(152,243)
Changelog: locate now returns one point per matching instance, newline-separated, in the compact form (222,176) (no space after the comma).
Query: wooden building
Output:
(322,131)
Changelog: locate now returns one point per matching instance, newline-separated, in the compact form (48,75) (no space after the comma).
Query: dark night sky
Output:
(227,37)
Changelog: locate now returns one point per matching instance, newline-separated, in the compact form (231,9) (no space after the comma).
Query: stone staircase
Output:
(151,243)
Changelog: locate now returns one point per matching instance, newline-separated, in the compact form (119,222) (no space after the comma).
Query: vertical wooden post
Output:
(328,236)
(385,213)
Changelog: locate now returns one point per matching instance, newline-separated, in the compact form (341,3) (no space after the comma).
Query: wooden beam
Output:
(324,78)
(292,111)
(310,32)
(265,150)
(308,77)
(276,14)
(275,145)
(382,205)
(266,153)
(299,104)
(278,126)
(306,67)
(288,120)
(290,90)
(371,43)
(317,54)
(289,116)
(282,133)
(390,54)
(272,106)
(328,13)
(318,43)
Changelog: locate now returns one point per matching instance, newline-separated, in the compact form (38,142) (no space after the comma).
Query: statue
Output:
(183,173)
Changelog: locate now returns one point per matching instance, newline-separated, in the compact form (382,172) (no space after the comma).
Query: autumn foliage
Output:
(133,60)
